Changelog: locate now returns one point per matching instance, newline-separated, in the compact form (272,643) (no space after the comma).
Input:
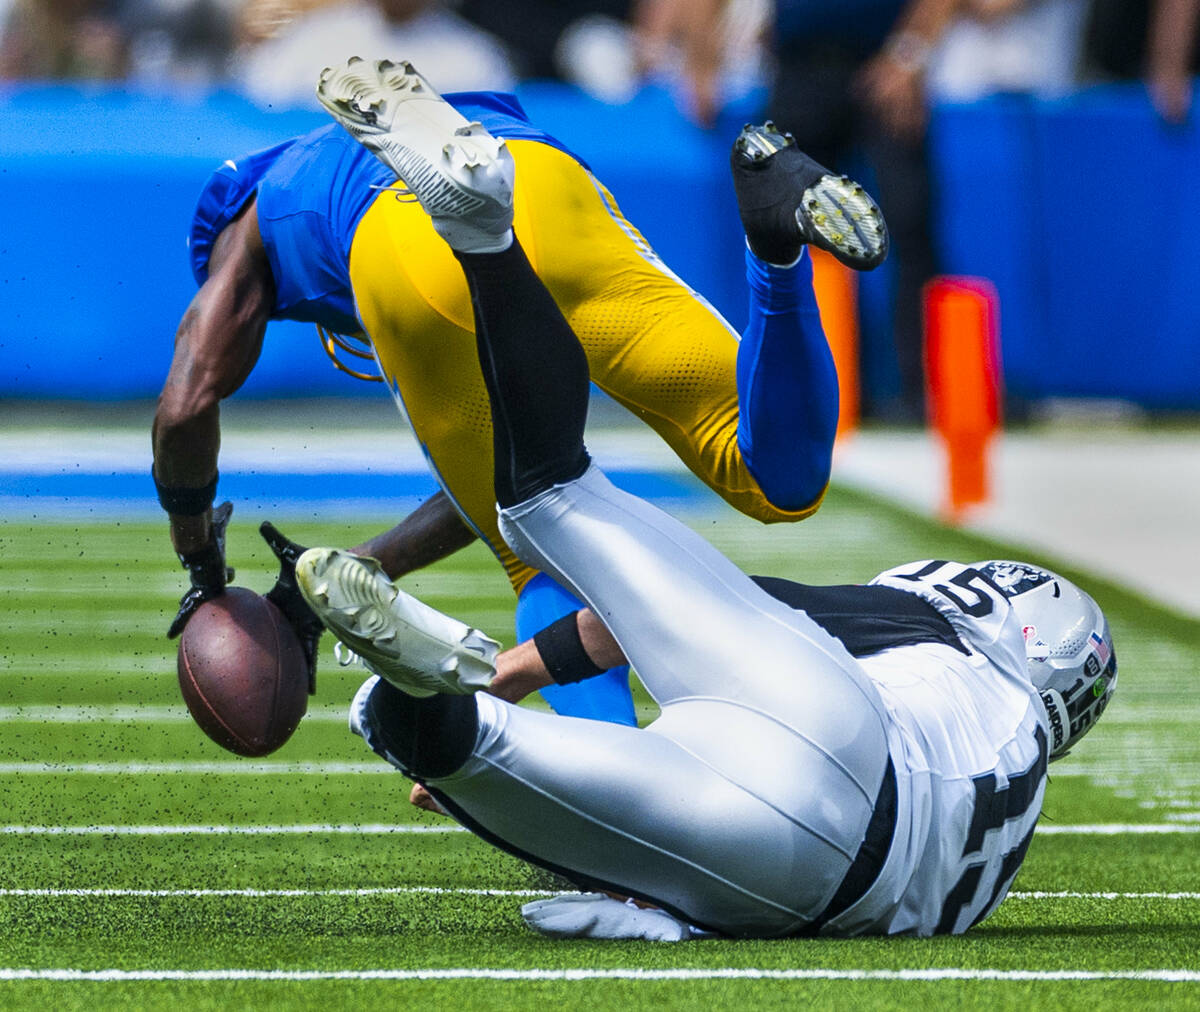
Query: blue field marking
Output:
(84,493)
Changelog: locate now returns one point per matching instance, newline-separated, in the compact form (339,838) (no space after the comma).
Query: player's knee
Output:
(423,738)
(802,496)
(793,492)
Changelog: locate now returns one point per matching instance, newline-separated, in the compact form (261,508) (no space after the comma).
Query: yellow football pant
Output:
(651,343)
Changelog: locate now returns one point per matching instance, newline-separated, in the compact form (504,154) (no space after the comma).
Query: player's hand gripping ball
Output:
(243,672)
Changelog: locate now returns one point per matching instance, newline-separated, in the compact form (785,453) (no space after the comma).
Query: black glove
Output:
(285,595)
(208,571)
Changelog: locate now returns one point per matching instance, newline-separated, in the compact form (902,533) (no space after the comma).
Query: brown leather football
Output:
(242,672)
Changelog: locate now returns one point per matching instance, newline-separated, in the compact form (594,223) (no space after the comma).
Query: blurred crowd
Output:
(711,50)
(272,49)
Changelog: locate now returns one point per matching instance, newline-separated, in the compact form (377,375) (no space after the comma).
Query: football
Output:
(242,673)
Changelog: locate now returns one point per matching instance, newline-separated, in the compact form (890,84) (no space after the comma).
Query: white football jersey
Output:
(969,743)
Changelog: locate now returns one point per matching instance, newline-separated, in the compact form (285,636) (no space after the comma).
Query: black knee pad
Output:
(426,738)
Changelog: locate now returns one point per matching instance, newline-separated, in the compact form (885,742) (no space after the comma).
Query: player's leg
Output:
(666,813)
(754,420)
(614,808)
(510,303)
(787,385)
(787,381)
(689,621)
(654,344)
(413,298)
(712,647)
(731,643)
(687,618)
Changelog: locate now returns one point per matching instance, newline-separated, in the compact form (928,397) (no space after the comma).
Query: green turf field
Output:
(141,866)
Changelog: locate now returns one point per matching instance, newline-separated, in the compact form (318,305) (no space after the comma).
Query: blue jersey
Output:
(312,192)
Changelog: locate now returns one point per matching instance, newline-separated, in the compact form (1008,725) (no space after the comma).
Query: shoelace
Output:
(344,655)
(400,191)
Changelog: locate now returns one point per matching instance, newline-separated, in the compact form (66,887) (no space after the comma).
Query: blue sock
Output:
(605,697)
(787,385)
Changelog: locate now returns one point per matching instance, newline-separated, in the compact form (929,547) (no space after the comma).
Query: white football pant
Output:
(744,804)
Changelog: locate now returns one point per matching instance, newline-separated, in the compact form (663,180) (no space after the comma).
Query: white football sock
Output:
(461,235)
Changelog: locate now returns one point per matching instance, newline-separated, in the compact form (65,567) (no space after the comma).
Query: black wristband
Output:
(185,502)
(562,651)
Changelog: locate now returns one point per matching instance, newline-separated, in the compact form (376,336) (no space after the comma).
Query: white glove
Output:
(595,915)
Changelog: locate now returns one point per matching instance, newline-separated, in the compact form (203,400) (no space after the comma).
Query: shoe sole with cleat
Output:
(778,184)
(455,168)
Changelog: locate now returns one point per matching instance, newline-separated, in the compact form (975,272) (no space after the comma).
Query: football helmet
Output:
(1072,662)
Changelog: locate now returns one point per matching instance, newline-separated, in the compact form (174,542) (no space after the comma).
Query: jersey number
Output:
(969,581)
(993,809)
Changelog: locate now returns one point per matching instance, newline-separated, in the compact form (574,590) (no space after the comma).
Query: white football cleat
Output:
(461,175)
(597,915)
(415,647)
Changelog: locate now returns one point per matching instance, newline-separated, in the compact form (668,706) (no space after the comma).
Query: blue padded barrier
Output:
(1084,212)
(98,188)
(1081,210)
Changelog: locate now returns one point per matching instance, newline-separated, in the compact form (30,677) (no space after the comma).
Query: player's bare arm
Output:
(571,653)
(216,346)
(429,534)
(1169,57)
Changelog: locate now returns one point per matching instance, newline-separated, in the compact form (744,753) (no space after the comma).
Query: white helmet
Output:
(1072,662)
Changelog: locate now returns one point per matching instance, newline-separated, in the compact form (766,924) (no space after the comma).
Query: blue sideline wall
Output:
(1082,211)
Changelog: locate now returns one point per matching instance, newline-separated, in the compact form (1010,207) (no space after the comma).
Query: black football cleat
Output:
(787,200)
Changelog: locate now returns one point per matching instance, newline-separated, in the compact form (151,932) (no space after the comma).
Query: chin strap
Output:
(358,345)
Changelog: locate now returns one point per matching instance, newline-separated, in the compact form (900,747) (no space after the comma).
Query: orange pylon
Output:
(962,377)
(836,288)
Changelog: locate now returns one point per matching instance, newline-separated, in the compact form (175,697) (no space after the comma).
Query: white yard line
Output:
(102,893)
(484,973)
(232,768)
(1101,896)
(267,893)
(1117,829)
(290,829)
(148,714)
(384,828)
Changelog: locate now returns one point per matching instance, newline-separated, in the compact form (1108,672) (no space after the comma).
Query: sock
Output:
(462,237)
(787,386)
(536,375)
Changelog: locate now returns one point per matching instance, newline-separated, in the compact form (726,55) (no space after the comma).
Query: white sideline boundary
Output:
(378,829)
(102,893)
(483,973)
